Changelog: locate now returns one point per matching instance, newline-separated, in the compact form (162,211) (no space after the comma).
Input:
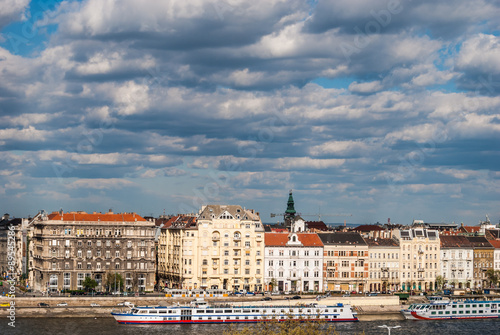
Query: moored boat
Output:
(200,312)
(453,309)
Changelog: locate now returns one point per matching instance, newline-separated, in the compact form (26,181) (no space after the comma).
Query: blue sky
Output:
(380,109)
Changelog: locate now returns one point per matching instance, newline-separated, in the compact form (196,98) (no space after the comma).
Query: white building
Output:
(293,262)
(457,261)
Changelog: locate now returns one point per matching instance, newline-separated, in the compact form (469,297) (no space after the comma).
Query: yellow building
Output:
(420,258)
(384,264)
(171,259)
(224,249)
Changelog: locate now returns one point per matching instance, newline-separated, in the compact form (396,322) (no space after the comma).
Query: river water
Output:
(77,326)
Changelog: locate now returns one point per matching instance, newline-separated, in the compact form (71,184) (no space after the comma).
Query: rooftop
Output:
(281,239)
(94,217)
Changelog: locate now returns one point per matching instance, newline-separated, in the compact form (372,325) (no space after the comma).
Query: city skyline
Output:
(379,109)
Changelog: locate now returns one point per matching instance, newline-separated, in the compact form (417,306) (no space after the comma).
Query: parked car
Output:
(275,293)
(373,294)
(62,304)
(5,304)
(42,304)
(266,299)
(94,305)
(295,297)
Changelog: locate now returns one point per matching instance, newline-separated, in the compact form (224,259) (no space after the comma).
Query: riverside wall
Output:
(368,308)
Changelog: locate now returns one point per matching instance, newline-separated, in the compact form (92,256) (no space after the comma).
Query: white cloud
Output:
(368,87)
(480,53)
(12,10)
(100,184)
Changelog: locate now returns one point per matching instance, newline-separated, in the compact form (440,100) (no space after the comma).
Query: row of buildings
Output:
(228,247)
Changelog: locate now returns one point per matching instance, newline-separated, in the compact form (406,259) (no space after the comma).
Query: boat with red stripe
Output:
(200,312)
(453,309)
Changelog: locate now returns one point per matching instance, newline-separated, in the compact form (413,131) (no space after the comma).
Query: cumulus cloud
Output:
(343,101)
(12,10)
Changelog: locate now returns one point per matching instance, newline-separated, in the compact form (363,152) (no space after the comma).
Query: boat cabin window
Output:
(228,311)
(210,311)
(200,312)
(163,312)
(152,312)
(218,311)
(143,312)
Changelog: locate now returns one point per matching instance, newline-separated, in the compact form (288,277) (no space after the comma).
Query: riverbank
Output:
(369,308)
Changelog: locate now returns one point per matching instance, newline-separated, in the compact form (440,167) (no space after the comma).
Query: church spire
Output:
(290,209)
(290,212)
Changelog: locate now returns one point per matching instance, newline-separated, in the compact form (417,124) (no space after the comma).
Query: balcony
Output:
(384,269)
(215,238)
(420,270)
(237,238)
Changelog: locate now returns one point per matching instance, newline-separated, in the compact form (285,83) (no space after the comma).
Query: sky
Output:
(366,109)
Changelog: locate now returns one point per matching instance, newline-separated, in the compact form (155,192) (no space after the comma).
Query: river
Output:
(108,326)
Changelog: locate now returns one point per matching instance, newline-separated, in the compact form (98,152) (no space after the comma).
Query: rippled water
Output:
(76,326)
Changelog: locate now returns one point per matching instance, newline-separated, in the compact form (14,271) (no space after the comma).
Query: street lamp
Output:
(389,328)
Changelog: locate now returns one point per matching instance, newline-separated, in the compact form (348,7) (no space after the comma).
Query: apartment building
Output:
(222,249)
(68,247)
(384,264)
(345,265)
(483,260)
(178,234)
(457,260)
(293,262)
(420,258)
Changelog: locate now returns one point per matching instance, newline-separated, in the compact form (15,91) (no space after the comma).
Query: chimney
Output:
(110,211)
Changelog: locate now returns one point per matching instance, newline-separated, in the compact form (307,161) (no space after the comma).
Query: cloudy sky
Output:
(375,108)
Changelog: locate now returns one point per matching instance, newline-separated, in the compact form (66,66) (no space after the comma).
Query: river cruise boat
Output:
(453,309)
(200,312)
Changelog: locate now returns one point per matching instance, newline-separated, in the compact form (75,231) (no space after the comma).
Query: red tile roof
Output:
(471,229)
(281,239)
(495,243)
(105,217)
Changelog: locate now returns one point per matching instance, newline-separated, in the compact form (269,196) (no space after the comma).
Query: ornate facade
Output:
(420,258)
(223,250)
(68,247)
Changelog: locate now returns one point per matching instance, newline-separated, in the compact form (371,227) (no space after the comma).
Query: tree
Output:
(493,276)
(89,284)
(439,282)
(272,283)
(114,281)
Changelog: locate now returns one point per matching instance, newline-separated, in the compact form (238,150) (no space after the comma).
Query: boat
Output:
(447,309)
(199,311)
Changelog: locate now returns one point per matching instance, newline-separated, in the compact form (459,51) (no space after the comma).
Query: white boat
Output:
(200,312)
(453,309)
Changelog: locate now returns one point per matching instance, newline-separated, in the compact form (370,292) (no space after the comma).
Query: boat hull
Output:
(135,320)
